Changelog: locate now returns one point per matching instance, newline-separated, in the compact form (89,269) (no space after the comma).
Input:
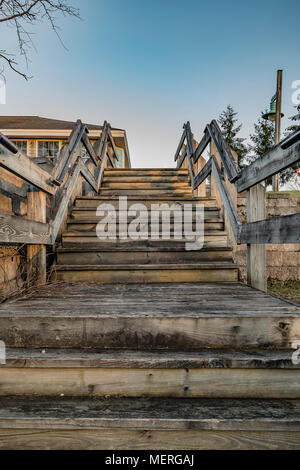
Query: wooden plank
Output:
(67,152)
(23,167)
(272,162)
(224,151)
(202,145)
(284,229)
(124,439)
(99,143)
(182,158)
(226,199)
(86,142)
(181,142)
(134,382)
(36,254)
(203,174)
(112,142)
(15,229)
(256,253)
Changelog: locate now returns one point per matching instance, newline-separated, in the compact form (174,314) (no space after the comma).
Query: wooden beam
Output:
(203,174)
(256,253)
(284,229)
(272,162)
(182,157)
(23,167)
(224,151)
(86,142)
(36,254)
(182,139)
(202,145)
(16,229)
(226,199)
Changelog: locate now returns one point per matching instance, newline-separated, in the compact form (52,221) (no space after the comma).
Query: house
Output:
(41,138)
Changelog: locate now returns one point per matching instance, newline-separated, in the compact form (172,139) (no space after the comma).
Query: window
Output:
(21,145)
(119,162)
(48,148)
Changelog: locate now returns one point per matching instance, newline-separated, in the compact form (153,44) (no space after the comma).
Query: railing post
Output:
(256,253)
(36,254)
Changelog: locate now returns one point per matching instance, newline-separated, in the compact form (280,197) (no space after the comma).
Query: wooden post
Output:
(36,254)
(256,253)
(275,179)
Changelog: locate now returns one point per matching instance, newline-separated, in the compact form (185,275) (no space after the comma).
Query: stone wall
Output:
(283,261)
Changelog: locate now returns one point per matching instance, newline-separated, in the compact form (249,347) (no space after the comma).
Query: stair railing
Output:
(54,191)
(229,179)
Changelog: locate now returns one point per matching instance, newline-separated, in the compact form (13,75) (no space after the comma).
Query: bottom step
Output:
(209,272)
(156,424)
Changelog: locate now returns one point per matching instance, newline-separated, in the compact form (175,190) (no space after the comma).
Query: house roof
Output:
(37,122)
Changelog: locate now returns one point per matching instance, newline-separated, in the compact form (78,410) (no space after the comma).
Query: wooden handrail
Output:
(60,183)
(278,158)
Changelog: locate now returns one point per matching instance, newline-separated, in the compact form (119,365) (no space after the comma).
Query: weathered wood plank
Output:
(15,229)
(202,145)
(203,174)
(272,162)
(86,142)
(181,142)
(224,151)
(284,229)
(23,167)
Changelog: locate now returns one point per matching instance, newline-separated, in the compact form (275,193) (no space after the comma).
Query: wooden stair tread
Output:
(116,267)
(158,359)
(149,413)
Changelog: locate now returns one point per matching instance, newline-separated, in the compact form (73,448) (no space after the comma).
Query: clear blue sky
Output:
(148,66)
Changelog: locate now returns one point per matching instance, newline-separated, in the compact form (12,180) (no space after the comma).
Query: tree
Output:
(296,126)
(22,14)
(227,121)
(290,175)
(262,140)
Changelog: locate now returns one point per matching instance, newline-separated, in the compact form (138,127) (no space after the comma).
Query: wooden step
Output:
(162,192)
(149,273)
(82,213)
(149,316)
(66,423)
(140,255)
(146,185)
(211,238)
(132,178)
(146,199)
(205,373)
(89,225)
(146,172)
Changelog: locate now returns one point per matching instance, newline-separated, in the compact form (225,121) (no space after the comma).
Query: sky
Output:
(149,66)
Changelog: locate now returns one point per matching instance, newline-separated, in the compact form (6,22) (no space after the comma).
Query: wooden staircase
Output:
(83,257)
(145,345)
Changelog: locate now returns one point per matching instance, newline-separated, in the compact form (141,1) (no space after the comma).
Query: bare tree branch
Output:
(21,14)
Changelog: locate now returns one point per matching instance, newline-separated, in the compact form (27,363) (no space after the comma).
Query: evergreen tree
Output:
(296,122)
(290,174)
(262,140)
(230,129)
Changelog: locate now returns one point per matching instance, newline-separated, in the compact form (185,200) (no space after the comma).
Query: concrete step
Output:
(140,255)
(147,273)
(205,373)
(178,317)
(66,423)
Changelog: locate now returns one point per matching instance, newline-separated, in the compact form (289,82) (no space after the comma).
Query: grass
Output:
(288,291)
(295,193)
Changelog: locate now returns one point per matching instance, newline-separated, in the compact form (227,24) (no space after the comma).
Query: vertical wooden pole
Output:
(256,253)
(275,178)
(36,254)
